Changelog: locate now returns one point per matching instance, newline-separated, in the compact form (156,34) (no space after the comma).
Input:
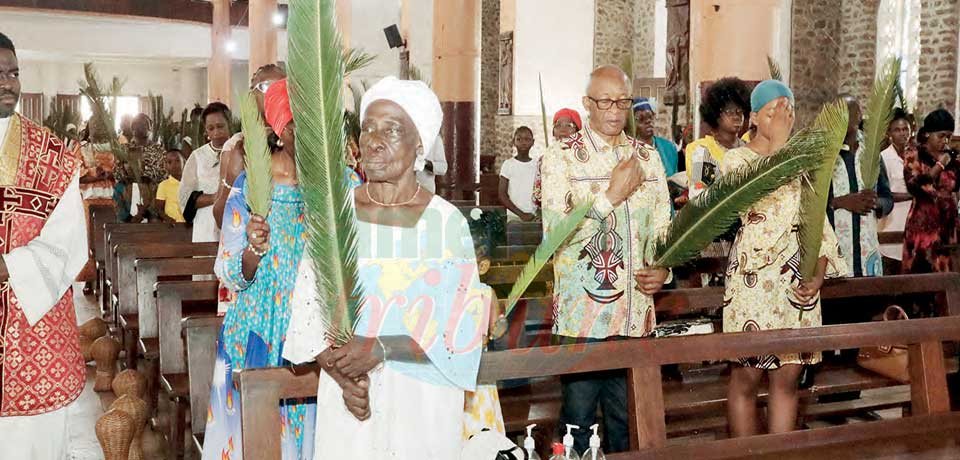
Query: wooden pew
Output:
(173,378)
(200,335)
(100,216)
(127,253)
(262,389)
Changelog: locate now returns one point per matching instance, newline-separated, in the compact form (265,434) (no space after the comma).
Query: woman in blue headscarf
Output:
(764,288)
(645,113)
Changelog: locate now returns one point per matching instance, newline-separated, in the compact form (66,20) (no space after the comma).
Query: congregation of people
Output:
(405,386)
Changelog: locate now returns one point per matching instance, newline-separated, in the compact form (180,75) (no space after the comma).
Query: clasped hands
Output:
(862,202)
(349,366)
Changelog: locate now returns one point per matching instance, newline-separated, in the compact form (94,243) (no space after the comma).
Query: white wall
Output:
(420,39)
(552,38)
(369,18)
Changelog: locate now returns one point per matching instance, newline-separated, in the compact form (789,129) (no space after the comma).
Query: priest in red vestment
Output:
(43,245)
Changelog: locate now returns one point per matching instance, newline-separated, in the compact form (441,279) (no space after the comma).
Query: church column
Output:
(263,34)
(218,72)
(344,21)
(456,52)
(938,56)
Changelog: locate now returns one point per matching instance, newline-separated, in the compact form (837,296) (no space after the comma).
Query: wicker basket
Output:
(86,348)
(115,432)
(93,329)
(105,351)
(130,382)
(137,409)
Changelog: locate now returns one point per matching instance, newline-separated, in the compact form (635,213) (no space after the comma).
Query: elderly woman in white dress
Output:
(397,389)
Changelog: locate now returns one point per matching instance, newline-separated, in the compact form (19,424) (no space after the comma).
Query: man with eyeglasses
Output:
(43,246)
(603,290)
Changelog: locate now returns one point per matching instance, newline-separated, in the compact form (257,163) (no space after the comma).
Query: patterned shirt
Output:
(595,294)
(151,163)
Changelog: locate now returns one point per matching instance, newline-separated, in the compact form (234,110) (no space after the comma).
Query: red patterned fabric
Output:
(41,368)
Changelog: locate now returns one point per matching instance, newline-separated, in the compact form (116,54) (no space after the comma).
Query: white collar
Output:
(4,125)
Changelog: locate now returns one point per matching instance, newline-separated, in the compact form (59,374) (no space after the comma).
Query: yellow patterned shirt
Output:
(595,293)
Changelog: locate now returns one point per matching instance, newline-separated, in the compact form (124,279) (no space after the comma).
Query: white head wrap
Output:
(417,100)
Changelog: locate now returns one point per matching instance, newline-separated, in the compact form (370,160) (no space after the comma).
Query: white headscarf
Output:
(417,100)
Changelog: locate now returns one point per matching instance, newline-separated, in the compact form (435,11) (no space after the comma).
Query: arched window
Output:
(898,34)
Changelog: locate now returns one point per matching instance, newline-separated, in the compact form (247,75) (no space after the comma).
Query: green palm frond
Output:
(256,158)
(558,234)
(710,214)
(878,116)
(543,114)
(59,116)
(316,98)
(93,90)
(901,97)
(775,72)
(356,59)
(813,204)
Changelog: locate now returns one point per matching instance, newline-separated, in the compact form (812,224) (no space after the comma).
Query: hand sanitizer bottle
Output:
(557,449)
(569,452)
(529,445)
(594,452)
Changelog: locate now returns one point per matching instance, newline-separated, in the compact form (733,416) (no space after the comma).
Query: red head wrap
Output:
(569,113)
(276,106)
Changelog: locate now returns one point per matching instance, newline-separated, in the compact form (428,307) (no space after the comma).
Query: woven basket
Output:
(115,431)
(93,329)
(137,409)
(86,348)
(130,382)
(105,351)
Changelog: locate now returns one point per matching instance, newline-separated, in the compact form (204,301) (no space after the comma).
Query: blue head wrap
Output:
(767,91)
(642,103)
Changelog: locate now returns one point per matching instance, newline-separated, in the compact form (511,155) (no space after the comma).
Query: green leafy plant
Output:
(59,117)
(775,72)
(711,213)
(879,114)
(832,120)
(257,157)
(93,90)
(356,59)
(315,73)
(552,240)
(543,114)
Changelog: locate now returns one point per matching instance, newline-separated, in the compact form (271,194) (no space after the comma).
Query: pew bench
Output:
(127,306)
(100,215)
(200,335)
(173,298)
(262,389)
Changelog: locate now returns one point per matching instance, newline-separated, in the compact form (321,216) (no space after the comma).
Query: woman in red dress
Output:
(932,174)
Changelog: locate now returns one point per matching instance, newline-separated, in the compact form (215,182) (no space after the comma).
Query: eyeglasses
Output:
(263,86)
(605,104)
(732,112)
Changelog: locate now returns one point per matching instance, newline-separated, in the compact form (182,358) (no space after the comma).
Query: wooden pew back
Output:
(200,334)
(170,298)
(129,252)
(148,270)
(262,389)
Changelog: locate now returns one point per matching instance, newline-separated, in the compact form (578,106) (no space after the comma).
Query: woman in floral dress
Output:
(764,288)
(932,175)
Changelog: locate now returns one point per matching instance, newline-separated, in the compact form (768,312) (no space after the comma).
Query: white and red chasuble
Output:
(41,368)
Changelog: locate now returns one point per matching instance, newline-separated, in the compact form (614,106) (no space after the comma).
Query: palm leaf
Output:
(901,97)
(558,234)
(813,204)
(775,72)
(356,59)
(543,114)
(316,98)
(879,115)
(92,89)
(710,214)
(257,158)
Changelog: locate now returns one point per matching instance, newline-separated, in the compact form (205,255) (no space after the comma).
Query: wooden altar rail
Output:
(261,389)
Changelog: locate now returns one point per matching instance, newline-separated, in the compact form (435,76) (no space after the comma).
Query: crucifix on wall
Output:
(678,52)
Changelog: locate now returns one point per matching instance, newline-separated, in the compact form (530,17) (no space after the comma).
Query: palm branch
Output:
(558,234)
(775,72)
(878,117)
(901,97)
(710,214)
(316,83)
(543,114)
(813,204)
(356,59)
(59,116)
(92,89)
(257,158)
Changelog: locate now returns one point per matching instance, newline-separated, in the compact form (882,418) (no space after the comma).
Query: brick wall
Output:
(816,50)
(644,37)
(613,32)
(938,55)
(858,47)
(489,74)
